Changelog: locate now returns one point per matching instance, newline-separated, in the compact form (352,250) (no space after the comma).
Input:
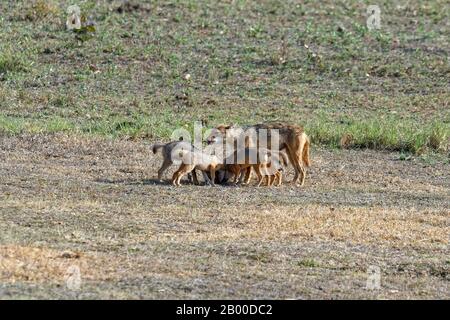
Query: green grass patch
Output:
(314,64)
(382,134)
(12,61)
(385,134)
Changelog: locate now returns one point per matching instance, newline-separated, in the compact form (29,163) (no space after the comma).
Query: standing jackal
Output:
(291,138)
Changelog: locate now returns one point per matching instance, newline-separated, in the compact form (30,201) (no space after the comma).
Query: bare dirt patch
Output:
(95,202)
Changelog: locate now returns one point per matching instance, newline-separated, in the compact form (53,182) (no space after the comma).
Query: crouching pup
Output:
(264,162)
(170,153)
(272,176)
(192,160)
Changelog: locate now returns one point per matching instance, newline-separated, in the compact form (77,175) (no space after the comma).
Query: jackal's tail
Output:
(157,146)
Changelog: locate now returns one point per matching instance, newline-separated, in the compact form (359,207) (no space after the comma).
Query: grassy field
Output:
(95,204)
(79,112)
(152,67)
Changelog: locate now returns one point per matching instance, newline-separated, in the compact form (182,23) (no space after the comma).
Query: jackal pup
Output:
(171,152)
(196,159)
(264,162)
(291,138)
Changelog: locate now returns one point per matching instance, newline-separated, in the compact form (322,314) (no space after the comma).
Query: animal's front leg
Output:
(221,176)
(236,175)
(248,175)
(194,176)
(206,178)
(212,172)
(241,176)
(259,174)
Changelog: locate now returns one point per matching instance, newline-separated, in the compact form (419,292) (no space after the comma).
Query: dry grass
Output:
(134,237)
(37,265)
(95,200)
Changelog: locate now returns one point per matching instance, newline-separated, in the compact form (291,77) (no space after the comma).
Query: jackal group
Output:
(291,145)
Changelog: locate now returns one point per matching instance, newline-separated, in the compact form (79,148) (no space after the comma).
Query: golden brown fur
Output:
(268,166)
(197,160)
(292,139)
(167,150)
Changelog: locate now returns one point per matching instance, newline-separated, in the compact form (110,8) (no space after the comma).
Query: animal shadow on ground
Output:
(134,181)
(165,182)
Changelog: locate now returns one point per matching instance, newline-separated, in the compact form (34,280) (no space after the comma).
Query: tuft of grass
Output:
(19,125)
(381,134)
(12,61)
(11,126)
(40,9)
(308,263)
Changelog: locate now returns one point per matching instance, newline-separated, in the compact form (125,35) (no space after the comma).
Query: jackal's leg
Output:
(236,177)
(166,163)
(175,178)
(212,172)
(294,161)
(301,169)
(300,172)
(192,176)
(303,176)
(236,174)
(271,179)
(280,178)
(184,168)
(259,175)
(206,178)
(242,176)
(261,180)
(248,175)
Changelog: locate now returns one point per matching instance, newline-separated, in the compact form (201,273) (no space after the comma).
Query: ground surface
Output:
(77,115)
(93,203)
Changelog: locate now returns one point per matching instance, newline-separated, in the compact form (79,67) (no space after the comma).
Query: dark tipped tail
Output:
(157,146)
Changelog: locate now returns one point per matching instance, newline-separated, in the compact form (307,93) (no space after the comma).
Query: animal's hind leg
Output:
(179,174)
(192,176)
(294,162)
(242,176)
(300,178)
(236,174)
(280,177)
(166,163)
(248,175)
(271,180)
(175,178)
(301,169)
(259,174)
(236,177)
(302,182)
